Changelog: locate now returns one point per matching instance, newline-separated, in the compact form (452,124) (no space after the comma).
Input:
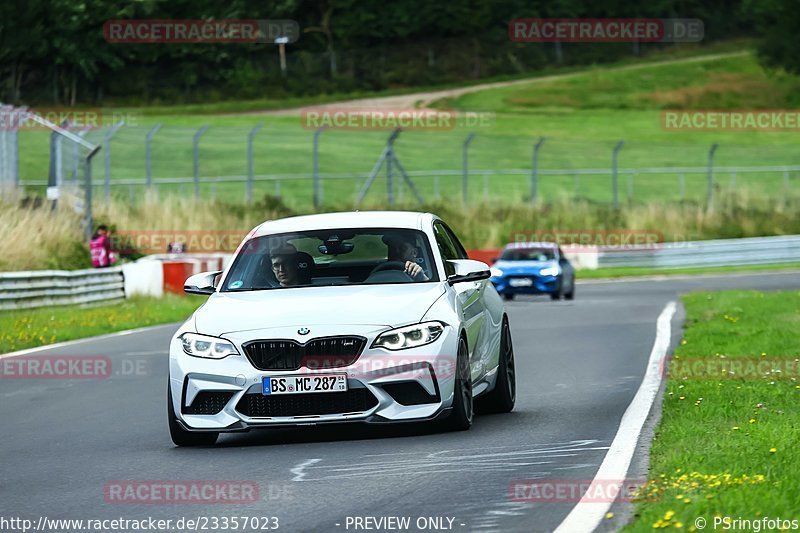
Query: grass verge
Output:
(625,272)
(37,327)
(723,447)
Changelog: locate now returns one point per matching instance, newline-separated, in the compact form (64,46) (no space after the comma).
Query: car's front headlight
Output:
(496,272)
(550,271)
(207,347)
(409,336)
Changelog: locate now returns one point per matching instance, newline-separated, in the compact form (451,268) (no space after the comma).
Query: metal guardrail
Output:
(26,290)
(723,252)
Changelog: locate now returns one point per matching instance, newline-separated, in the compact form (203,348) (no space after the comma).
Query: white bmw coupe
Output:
(375,317)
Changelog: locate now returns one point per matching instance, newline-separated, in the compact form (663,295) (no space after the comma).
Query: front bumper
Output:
(538,284)
(383,386)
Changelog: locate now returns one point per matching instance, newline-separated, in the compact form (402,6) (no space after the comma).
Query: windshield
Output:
(529,254)
(332,257)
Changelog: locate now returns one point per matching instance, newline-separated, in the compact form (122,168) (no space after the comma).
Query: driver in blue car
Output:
(403,251)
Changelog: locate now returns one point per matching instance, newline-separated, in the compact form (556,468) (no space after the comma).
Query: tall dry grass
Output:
(38,238)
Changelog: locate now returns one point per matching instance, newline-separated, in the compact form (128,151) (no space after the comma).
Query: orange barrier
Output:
(175,274)
(487,255)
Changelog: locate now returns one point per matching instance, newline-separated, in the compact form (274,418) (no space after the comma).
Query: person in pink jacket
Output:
(100,248)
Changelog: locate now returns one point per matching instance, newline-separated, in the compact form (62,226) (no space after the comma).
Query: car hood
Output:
(381,305)
(523,267)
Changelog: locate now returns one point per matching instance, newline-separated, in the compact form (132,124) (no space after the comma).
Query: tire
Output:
(571,294)
(461,415)
(508,296)
(181,437)
(559,292)
(503,397)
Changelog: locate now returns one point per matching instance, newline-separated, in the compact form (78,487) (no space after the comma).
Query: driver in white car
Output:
(403,251)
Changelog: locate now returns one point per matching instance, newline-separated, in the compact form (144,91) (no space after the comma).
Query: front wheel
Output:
(461,415)
(181,437)
(504,395)
(571,294)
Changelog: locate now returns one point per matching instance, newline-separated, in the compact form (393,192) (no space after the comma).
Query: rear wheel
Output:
(461,415)
(504,394)
(508,296)
(181,437)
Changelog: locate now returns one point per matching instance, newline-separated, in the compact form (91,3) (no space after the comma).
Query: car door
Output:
(469,298)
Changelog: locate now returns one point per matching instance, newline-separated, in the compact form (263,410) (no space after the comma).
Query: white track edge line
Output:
(588,513)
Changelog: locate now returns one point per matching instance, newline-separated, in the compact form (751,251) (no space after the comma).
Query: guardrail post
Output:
(436,186)
(250,168)
(317,184)
(733,180)
(535,171)
(710,193)
(147,154)
(196,159)
(465,167)
(785,181)
(615,171)
(107,158)
(682,186)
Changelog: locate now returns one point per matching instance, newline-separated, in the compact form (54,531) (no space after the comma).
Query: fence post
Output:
(614,171)
(464,167)
(682,186)
(147,156)
(389,174)
(88,222)
(436,186)
(196,159)
(710,194)
(733,180)
(250,168)
(785,181)
(107,158)
(317,183)
(535,171)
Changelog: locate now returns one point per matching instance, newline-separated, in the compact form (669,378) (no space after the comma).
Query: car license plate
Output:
(304,384)
(520,282)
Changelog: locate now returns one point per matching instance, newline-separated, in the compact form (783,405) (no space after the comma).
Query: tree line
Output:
(54,52)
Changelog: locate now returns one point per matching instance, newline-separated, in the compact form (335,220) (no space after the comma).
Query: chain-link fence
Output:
(335,168)
(58,156)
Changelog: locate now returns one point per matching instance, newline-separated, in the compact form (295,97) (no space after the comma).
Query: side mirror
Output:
(203,283)
(468,270)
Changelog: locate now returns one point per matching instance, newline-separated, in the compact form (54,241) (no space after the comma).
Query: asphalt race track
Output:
(579,365)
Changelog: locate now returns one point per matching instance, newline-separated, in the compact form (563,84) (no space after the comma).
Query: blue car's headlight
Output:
(409,336)
(496,272)
(550,271)
(207,347)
